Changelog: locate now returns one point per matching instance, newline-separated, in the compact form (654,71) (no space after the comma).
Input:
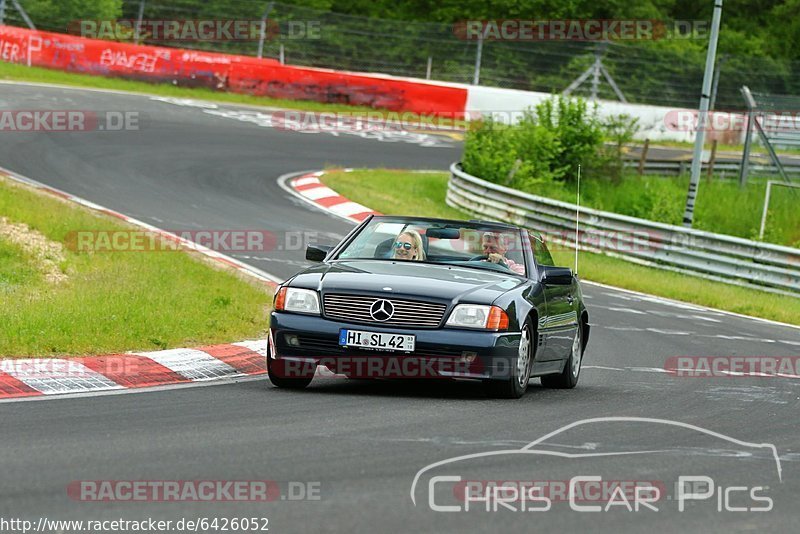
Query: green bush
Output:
(546,145)
(578,130)
(540,155)
(516,156)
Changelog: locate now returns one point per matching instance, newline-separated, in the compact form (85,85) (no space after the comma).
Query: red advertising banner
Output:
(223,72)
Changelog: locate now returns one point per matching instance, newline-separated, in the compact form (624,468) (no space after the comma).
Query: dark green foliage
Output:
(549,143)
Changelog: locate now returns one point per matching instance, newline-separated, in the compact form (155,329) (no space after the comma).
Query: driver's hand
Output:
(495,258)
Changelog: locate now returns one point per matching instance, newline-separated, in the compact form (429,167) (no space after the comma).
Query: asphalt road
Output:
(362,443)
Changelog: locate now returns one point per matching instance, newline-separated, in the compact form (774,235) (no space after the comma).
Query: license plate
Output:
(376,340)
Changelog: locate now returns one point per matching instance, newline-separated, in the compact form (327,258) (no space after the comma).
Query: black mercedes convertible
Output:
(403,297)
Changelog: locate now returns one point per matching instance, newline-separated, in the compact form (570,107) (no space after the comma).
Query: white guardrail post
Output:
(724,258)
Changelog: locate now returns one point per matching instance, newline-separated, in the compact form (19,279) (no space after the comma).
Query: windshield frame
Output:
(334,254)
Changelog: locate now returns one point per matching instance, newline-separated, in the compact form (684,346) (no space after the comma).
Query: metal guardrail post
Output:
(476,76)
(23,14)
(139,19)
(770,183)
(643,158)
(748,138)
(771,151)
(263,33)
(712,159)
(764,212)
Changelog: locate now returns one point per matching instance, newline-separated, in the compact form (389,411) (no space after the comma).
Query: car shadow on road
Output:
(467,390)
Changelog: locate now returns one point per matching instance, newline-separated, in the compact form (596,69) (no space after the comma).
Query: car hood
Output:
(407,279)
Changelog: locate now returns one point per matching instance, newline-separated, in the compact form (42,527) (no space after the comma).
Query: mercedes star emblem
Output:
(381,310)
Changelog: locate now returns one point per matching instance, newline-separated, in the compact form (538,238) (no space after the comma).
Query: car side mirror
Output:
(317,252)
(556,276)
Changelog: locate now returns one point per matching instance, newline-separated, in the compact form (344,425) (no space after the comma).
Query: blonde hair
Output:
(416,242)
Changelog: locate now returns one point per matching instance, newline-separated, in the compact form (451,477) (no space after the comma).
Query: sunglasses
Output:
(398,244)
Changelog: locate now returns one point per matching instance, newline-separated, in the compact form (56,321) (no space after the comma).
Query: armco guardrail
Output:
(719,257)
(731,168)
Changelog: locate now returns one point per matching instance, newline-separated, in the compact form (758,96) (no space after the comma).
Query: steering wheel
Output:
(485,257)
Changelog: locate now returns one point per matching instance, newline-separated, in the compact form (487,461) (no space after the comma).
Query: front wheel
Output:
(568,378)
(516,384)
(295,376)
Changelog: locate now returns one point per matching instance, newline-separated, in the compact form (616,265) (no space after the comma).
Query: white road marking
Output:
(648,370)
(627,310)
(701,318)
(669,332)
(602,367)
(705,309)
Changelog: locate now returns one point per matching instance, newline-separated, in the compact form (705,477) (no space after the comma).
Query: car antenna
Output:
(577,217)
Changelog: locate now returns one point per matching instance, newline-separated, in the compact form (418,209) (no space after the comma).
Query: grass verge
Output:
(722,206)
(422,194)
(112,301)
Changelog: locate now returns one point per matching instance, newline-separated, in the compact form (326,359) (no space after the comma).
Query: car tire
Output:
(276,374)
(515,385)
(568,378)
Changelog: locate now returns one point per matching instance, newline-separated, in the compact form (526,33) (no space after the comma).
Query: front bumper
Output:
(439,352)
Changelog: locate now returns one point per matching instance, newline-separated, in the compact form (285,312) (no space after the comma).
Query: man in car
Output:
(495,246)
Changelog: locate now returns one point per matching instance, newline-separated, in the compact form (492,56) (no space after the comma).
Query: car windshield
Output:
(467,244)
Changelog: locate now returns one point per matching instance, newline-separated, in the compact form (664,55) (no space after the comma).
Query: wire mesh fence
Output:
(651,72)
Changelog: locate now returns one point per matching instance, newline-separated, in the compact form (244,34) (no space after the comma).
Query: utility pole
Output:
(694,182)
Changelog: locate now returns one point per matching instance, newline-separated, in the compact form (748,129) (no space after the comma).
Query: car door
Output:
(561,320)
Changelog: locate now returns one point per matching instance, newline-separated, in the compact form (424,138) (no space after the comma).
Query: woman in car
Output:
(408,246)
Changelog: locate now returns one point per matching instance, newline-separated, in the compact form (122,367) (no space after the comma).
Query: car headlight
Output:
(478,316)
(292,299)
